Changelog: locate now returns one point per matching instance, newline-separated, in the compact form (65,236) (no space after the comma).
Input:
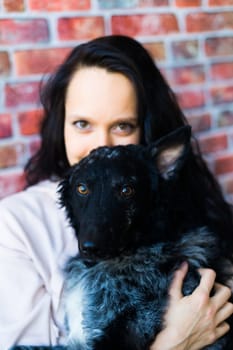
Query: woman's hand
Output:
(197,320)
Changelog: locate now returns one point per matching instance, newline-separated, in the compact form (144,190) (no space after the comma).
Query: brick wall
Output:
(191,40)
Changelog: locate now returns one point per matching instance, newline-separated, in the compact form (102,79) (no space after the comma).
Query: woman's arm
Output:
(33,241)
(195,321)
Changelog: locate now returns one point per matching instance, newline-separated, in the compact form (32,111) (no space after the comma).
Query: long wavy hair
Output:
(158,113)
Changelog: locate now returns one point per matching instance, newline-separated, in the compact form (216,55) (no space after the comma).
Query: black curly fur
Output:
(133,231)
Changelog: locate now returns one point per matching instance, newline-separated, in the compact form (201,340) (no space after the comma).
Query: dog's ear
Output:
(170,151)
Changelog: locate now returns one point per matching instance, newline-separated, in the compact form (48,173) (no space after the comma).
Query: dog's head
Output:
(110,195)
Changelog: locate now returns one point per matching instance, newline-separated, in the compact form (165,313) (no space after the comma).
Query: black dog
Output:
(131,240)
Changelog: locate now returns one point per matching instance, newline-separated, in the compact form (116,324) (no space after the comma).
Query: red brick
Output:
(59,5)
(23,31)
(13,5)
(156,50)
(225,118)
(220,2)
(224,164)
(80,28)
(185,49)
(200,122)
(29,122)
(5,125)
(188,75)
(222,94)
(219,46)
(221,71)
(11,183)
(112,4)
(200,22)
(21,94)
(187,3)
(150,24)
(39,61)
(191,99)
(11,155)
(5,65)
(213,143)
(150,3)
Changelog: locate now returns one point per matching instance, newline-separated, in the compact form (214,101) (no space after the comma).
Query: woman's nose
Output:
(103,138)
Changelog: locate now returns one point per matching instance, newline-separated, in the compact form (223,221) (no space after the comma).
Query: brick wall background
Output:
(191,40)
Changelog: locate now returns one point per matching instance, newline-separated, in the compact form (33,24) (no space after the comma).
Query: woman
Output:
(107,92)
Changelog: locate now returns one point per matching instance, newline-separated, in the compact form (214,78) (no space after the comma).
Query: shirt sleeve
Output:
(26,310)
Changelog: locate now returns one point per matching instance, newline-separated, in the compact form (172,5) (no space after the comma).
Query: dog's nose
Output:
(89,248)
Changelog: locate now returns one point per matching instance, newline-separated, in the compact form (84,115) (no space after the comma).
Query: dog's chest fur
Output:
(121,301)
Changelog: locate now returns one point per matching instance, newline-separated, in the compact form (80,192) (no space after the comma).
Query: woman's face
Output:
(100,110)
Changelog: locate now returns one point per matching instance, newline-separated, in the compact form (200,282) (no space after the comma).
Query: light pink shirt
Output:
(35,243)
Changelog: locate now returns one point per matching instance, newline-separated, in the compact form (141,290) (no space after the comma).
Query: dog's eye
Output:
(127,191)
(83,189)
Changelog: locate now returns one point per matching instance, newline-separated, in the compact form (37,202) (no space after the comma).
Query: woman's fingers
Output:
(175,290)
(221,295)
(218,303)
(225,312)
(200,318)
(207,280)
(224,308)
(221,330)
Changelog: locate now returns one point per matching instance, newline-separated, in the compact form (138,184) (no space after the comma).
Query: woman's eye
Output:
(82,124)
(125,128)
(127,191)
(83,189)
